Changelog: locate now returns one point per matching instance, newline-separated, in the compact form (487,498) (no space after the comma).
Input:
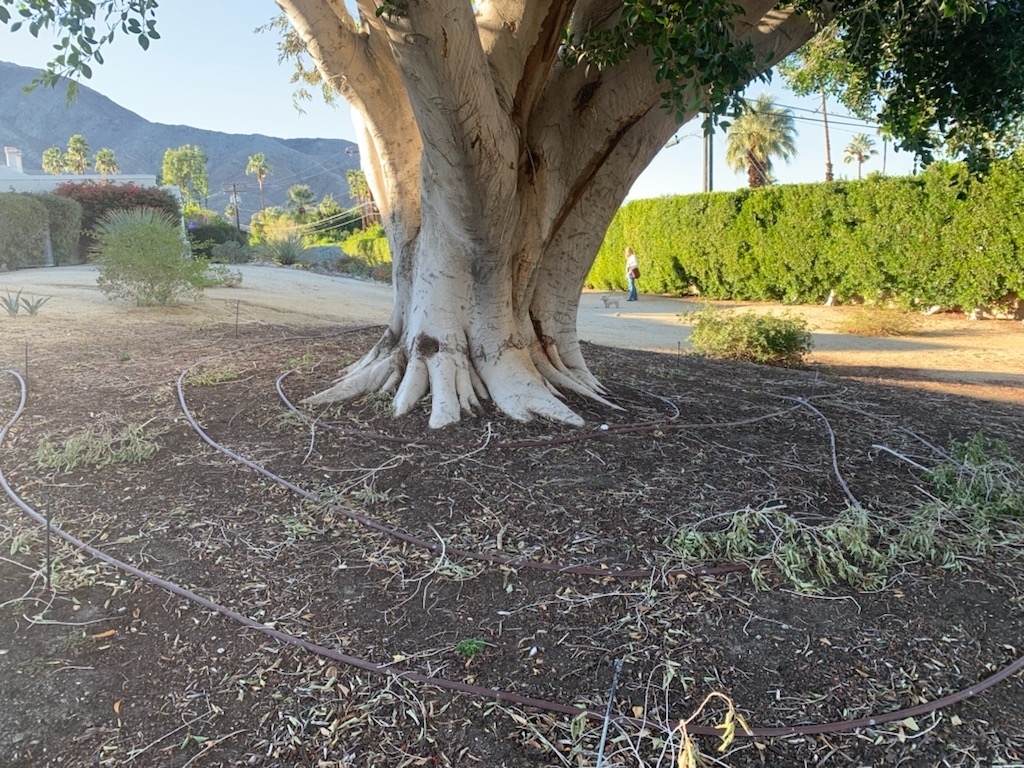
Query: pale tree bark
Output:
(497,170)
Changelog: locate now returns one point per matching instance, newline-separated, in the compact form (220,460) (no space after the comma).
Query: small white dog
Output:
(609,301)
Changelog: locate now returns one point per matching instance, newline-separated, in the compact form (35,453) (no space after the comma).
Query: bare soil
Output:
(518,566)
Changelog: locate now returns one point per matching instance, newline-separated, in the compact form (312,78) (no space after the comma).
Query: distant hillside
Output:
(34,121)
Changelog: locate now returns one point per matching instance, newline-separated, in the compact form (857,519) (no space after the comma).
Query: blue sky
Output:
(212,70)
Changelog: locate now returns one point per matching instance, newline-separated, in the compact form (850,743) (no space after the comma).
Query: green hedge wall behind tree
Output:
(944,237)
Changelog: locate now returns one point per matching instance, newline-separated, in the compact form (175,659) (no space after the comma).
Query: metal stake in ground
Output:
(48,558)
(608,712)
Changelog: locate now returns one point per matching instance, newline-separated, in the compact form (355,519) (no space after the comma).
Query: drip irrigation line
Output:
(457,686)
(432,546)
(832,444)
(671,424)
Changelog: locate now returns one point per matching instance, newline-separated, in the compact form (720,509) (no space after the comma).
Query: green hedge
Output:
(944,237)
(65,217)
(23,224)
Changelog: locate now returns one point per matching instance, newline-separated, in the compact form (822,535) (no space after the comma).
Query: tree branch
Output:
(360,65)
(451,89)
(521,39)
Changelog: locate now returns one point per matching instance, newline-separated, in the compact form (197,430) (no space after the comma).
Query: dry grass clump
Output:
(880,322)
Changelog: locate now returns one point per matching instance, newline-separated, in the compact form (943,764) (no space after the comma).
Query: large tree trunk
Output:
(497,170)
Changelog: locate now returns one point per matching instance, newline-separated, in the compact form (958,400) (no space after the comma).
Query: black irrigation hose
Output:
(578,437)
(473,690)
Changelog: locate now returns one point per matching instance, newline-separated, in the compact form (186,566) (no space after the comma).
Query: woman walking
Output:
(632,273)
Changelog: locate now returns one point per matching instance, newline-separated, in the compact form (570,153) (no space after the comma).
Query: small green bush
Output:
(231,252)
(282,247)
(207,235)
(766,339)
(143,257)
(369,245)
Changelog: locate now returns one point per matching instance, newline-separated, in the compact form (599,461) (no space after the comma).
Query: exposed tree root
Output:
(523,384)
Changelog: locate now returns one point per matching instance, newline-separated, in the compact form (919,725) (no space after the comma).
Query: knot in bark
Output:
(427,346)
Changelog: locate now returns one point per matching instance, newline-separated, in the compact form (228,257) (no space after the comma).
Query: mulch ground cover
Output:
(818,550)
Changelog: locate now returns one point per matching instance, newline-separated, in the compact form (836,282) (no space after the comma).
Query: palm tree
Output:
(259,166)
(76,159)
(360,190)
(762,132)
(886,138)
(53,161)
(860,148)
(105,162)
(300,196)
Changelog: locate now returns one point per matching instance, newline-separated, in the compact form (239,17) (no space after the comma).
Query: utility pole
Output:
(709,159)
(235,201)
(828,145)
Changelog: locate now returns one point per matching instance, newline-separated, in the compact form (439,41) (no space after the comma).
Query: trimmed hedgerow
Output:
(23,224)
(946,237)
(65,216)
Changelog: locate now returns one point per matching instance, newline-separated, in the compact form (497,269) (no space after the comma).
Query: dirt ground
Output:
(834,549)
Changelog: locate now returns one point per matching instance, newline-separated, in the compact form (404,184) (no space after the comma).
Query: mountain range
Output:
(36,120)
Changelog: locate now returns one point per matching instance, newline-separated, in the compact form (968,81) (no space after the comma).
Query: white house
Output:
(14,179)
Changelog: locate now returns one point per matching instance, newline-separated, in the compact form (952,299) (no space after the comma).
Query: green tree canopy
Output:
(76,159)
(185,167)
(300,197)
(934,74)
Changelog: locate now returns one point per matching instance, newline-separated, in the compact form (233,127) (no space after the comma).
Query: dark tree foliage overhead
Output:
(935,74)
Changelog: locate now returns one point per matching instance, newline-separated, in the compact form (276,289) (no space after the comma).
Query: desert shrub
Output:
(143,257)
(369,245)
(97,199)
(219,276)
(231,252)
(282,247)
(880,323)
(205,235)
(766,339)
(23,223)
(65,216)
